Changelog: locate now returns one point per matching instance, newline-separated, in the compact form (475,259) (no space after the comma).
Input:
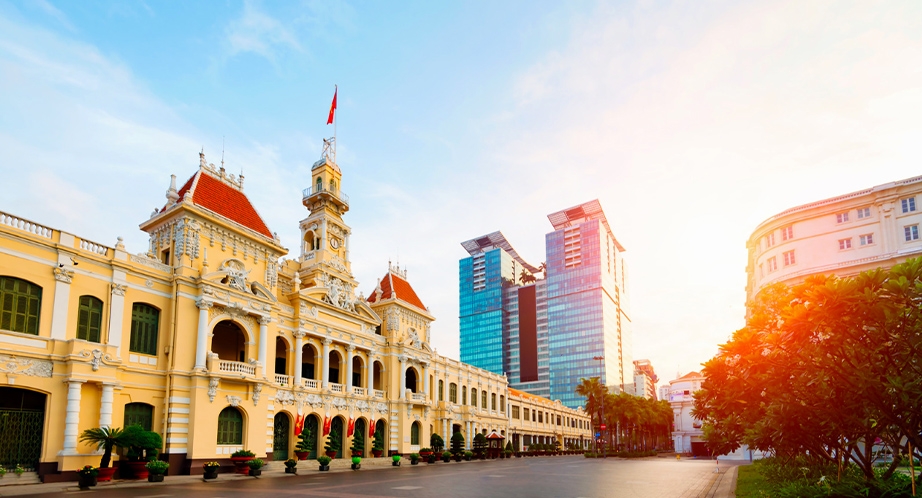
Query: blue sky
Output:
(691,122)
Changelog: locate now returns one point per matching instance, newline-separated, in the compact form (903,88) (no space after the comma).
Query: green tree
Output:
(104,438)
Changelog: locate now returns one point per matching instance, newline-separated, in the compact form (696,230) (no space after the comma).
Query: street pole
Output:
(604,395)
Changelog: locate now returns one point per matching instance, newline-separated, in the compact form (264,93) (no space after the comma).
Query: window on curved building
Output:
(139,414)
(453,392)
(89,319)
(473,397)
(483,399)
(441,391)
(463,395)
(145,324)
(493,401)
(414,433)
(502,403)
(230,426)
(20,304)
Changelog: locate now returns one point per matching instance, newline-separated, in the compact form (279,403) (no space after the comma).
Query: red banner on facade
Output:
(326,425)
(351,429)
(371,428)
(299,425)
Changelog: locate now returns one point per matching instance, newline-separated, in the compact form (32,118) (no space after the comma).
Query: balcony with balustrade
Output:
(311,195)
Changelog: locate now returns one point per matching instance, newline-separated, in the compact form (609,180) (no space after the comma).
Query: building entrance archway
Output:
(22,421)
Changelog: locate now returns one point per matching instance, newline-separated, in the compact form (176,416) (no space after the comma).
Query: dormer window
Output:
(319,184)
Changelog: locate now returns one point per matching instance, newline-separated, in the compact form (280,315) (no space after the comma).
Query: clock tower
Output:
(324,236)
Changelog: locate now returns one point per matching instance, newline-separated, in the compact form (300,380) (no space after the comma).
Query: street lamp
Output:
(602,422)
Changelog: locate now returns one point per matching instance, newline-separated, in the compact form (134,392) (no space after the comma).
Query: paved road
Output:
(525,477)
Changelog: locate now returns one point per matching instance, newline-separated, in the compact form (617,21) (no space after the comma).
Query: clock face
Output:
(334,242)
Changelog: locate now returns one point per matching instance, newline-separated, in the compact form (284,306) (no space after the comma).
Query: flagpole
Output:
(335,92)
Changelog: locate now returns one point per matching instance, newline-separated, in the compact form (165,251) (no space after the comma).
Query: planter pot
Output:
(241,464)
(255,472)
(431,459)
(518,455)
(302,455)
(138,469)
(291,470)
(377,453)
(502,455)
(155,478)
(105,474)
(86,482)
(211,475)
(467,458)
(446,460)
(396,464)
(324,468)
(356,466)
(457,458)
(425,454)
(331,454)
(414,462)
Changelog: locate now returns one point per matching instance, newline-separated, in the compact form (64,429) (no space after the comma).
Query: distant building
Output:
(686,431)
(545,333)
(844,235)
(645,379)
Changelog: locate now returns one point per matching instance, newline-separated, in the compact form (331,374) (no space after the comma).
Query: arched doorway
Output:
(336,427)
(229,341)
(358,436)
(379,434)
(281,356)
(22,421)
(312,424)
(280,437)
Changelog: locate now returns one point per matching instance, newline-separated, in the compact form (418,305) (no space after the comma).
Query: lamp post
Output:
(604,395)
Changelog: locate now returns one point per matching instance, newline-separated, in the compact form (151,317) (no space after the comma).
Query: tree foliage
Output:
(634,423)
(825,369)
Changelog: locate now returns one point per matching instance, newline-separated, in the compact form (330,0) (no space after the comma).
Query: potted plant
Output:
(143,445)
(395,460)
(18,470)
(324,462)
(425,452)
(457,445)
(377,446)
(156,469)
(240,459)
(211,470)
(446,456)
(334,443)
(291,466)
(358,444)
(2,471)
(480,446)
(86,477)
(356,463)
(414,458)
(305,444)
(255,466)
(468,455)
(508,451)
(104,438)
(436,442)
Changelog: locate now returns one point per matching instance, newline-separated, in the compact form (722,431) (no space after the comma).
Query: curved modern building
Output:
(844,235)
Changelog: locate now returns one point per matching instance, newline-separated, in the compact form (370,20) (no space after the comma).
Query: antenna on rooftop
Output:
(222,151)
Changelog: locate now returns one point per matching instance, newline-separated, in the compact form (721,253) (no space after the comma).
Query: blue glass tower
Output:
(545,333)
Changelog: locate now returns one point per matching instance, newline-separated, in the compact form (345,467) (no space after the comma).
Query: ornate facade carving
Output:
(314,400)
(96,356)
(257,390)
(62,275)
(236,274)
(339,293)
(25,366)
(119,289)
(393,319)
(233,400)
(381,407)
(212,388)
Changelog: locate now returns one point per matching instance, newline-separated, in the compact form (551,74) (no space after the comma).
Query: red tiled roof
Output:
(393,286)
(690,375)
(224,200)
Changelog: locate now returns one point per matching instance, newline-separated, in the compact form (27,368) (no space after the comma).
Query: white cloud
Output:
(257,32)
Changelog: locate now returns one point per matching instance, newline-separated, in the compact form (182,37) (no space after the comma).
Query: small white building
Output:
(686,431)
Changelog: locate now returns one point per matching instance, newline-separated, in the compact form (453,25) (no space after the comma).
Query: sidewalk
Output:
(274,469)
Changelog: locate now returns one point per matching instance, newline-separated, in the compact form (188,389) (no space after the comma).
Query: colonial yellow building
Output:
(213,340)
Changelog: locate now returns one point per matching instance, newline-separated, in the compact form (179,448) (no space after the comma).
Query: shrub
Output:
(255,464)
(291,463)
(457,443)
(243,453)
(324,460)
(157,466)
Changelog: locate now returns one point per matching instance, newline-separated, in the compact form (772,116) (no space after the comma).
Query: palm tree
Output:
(104,438)
(594,392)
(543,269)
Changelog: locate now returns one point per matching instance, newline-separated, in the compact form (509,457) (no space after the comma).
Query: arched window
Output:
(441,391)
(230,426)
(483,399)
(502,403)
(453,392)
(139,414)
(145,325)
(319,185)
(20,304)
(89,319)
(473,397)
(414,433)
(493,401)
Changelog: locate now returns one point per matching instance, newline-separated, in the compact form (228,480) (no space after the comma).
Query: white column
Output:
(62,277)
(426,380)
(325,372)
(72,417)
(201,345)
(350,351)
(403,377)
(263,342)
(469,440)
(346,246)
(299,356)
(117,311)
(445,433)
(105,406)
(371,375)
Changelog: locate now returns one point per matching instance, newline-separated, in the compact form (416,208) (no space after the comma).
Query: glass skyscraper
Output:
(544,333)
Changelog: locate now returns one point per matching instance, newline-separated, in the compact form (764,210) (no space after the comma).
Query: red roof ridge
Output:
(395,286)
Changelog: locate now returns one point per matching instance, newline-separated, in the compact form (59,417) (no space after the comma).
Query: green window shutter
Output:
(230,426)
(139,414)
(20,303)
(89,319)
(145,326)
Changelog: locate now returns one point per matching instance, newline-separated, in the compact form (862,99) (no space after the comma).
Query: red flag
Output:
(333,106)
(351,427)
(371,428)
(299,425)
(326,425)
